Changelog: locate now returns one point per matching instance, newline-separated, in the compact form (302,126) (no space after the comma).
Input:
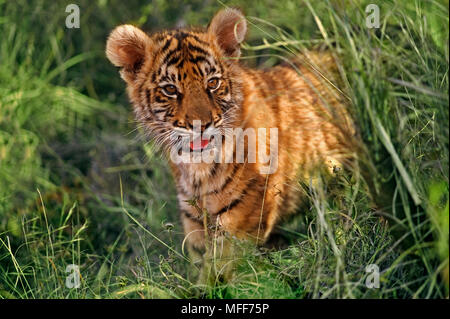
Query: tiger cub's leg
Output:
(203,251)
(194,238)
(213,254)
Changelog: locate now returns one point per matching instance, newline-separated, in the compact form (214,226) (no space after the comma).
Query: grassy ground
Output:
(77,185)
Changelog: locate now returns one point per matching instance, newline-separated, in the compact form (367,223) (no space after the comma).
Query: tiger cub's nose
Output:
(202,124)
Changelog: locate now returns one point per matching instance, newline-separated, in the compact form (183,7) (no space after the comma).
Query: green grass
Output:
(78,185)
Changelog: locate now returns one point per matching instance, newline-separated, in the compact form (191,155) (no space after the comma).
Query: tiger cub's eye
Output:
(170,89)
(213,83)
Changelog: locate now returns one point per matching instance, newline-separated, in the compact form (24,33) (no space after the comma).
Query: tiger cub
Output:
(192,95)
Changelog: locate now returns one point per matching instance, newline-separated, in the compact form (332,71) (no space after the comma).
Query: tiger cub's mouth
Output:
(200,143)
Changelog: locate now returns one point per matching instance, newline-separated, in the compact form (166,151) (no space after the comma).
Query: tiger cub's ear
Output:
(229,27)
(126,48)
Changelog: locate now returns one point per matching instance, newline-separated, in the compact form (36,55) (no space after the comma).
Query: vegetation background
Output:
(78,185)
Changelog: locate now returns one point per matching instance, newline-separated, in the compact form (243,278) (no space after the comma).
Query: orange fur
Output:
(314,132)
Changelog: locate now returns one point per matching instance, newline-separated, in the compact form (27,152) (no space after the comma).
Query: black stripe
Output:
(166,45)
(196,184)
(192,217)
(214,169)
(179,98)
(201,71)
(230,177)
(170,54)
(173,60)
(148,96)
(197,59)
(224,105)
(181,35)
(237,200)
(212,69)
(165,78)
(180,64)
(227,181)
(197,49)
(160,100)
(198,39)
(230,84)
(233,204)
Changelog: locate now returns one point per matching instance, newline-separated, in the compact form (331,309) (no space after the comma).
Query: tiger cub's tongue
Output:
(199,144)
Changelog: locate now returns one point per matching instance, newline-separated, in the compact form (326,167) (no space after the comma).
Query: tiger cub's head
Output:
(177,77)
